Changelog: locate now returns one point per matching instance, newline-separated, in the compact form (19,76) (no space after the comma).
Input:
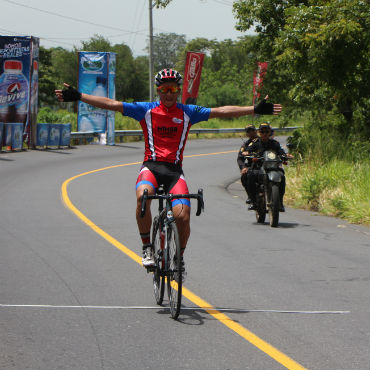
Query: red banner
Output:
(193,70)
(258,76)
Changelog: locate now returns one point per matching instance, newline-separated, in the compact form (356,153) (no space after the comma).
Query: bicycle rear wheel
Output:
(158,275)
(174,270)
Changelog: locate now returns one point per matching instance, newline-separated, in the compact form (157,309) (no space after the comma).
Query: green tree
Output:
(227,71)
(324,47)
(65,64)
(47,78)
(318,53)
(161,3)
(166,47)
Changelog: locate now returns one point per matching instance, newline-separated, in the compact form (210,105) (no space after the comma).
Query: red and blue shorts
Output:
(169,175)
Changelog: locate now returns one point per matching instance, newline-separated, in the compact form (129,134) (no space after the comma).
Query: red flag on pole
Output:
(258,76)
(193,70)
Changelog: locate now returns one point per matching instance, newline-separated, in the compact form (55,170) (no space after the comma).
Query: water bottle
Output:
(13,93)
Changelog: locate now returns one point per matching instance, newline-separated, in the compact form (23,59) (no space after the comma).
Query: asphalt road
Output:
(72,295)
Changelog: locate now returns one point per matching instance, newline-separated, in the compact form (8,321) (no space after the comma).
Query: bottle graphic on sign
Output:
(100,115)
(13,93)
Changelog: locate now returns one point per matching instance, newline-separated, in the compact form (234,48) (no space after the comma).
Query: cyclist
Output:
(251,132)
(166,125)
(258,147)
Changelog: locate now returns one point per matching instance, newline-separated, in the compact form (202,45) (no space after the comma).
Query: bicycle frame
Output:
(167,248)
(168,217)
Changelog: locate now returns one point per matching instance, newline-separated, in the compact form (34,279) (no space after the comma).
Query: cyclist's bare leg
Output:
(144,223)
(182,216)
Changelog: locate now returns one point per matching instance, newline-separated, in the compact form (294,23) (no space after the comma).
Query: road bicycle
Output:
(167,252)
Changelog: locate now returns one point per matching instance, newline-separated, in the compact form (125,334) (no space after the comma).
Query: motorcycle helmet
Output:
(168,75)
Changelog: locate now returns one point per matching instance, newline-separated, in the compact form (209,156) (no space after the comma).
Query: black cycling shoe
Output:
(252,207)
(248,201)
(282,208)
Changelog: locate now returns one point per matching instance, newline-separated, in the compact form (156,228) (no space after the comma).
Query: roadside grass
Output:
(336,188)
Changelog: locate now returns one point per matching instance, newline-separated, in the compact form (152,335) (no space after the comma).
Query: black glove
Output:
(71,94)
(264,108)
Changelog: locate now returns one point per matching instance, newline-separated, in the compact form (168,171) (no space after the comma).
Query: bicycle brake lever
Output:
(200,203)
(144,197)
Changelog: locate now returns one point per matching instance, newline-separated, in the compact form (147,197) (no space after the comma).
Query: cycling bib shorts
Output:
(169,175)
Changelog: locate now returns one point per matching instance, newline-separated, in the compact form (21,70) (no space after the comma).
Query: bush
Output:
(47,115)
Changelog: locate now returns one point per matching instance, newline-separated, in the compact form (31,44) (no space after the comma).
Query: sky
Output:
(66,23)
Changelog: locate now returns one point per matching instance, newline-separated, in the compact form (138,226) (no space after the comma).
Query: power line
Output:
(223,2)
(12,33)
(70,18)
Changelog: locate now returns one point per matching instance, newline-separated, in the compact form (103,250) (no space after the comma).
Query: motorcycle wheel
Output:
(261,209)
(274,205)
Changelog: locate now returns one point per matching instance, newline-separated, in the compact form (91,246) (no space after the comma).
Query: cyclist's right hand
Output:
(68,94)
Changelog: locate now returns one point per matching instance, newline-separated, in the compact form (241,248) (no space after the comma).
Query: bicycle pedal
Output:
(150,269)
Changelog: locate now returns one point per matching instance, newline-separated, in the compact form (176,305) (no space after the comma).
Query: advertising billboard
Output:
(19,82)
(95,78)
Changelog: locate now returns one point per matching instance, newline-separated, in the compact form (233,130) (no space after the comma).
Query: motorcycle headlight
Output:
(271,155)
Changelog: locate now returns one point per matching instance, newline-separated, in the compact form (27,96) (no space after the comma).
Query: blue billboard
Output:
(95,77)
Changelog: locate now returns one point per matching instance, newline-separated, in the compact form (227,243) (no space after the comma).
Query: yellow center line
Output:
(265,347)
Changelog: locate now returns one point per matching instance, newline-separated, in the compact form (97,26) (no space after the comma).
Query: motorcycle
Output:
(269,177)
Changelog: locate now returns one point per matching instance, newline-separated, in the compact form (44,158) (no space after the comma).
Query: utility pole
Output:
(151,89)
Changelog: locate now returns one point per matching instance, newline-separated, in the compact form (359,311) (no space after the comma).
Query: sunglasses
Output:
(265,132)
(166,89)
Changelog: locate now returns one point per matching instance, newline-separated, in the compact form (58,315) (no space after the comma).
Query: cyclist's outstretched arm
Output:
(71,94)
(236,111)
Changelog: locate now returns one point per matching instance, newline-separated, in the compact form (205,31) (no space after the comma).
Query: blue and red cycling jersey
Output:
(165,129)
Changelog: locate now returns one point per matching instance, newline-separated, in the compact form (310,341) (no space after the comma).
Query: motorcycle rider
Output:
(252,137)
(258,148)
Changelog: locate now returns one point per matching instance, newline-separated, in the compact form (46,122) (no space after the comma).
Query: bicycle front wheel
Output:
(174,270)
(158,275)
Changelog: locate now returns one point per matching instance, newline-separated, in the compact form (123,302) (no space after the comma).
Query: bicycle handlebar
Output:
(169,197)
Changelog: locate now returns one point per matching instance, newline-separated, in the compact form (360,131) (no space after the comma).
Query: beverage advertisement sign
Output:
(16,58)
(193,70)
(93,79)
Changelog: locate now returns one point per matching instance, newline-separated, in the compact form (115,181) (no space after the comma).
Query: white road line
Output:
(236,310)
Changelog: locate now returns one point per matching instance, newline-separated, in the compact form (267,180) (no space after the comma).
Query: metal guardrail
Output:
(123,133)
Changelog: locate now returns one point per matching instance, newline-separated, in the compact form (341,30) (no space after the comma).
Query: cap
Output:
(264,125)
(13,64)
(250,128)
